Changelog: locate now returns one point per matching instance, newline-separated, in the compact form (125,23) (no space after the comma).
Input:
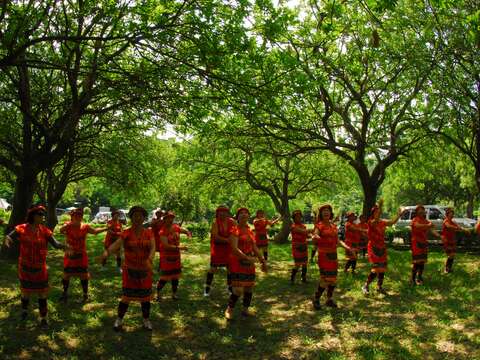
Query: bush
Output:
(390,234)
(200,230)
(63,219)
(4,215)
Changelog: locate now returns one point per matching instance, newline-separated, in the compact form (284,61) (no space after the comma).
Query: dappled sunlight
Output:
(440,318)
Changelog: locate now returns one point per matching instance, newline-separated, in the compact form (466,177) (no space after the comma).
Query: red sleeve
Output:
(46,231)
(150,233)
(20,229)
(235,231)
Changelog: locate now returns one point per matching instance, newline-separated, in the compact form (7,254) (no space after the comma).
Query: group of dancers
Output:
(233,245)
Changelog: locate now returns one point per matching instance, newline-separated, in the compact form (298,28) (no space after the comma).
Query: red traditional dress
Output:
(170,260)
(32,262)
(299,245)
(261,232)
(156,227)
(136,274)
(113,233)
(76,264)
(327,252)
(363,236)
(419,241)
(220,251)
(352,239)
(377,251)
(448,238)
(242,271)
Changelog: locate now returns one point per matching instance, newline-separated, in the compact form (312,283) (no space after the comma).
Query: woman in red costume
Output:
(220,233)
(34,238)
(377,251)
(449,230)
(139,250)
(244,254)
(114,230)
(420,229)
(75,264)
(364,234)
(156,225)
(299,246)
(261,225)
(326,236)
(170,260)
(353,233)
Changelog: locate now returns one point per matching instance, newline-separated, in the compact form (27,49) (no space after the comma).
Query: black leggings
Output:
(123,307)
(162,283)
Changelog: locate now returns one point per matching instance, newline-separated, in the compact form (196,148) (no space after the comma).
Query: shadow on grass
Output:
(437,320)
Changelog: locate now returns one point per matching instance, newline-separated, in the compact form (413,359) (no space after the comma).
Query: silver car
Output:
(435,214)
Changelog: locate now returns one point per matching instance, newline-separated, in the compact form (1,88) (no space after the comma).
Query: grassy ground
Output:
(439,320)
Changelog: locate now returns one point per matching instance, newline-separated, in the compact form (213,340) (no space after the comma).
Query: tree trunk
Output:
(22,200)
(370,191)
(51,220)
(470,202)
(282,236)
(55,190)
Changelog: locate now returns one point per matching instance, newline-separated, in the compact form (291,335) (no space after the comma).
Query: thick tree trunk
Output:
(282,235)
(470,202)
(51,220)
(22,200)
(55,191)
(370,191)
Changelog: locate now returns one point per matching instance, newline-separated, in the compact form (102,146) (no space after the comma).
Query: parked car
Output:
(435,214)
(4,205)
(60,211)
(102,217)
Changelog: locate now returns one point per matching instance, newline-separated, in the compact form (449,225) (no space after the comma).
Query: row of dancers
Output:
(233,245)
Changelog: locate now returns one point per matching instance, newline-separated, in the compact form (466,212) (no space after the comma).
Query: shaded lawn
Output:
(439,320)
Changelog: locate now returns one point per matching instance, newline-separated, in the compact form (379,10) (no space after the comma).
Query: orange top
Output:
(418,234)
(33,244)
(376,233)
(261,225)
(328,234)
(296,236)
(246,239)
(137,249)
(352,236)
(76,236)
(172,235)
(449,234)
(223,230)
(114,229)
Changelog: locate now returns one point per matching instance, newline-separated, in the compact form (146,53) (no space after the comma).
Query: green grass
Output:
(439,320)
